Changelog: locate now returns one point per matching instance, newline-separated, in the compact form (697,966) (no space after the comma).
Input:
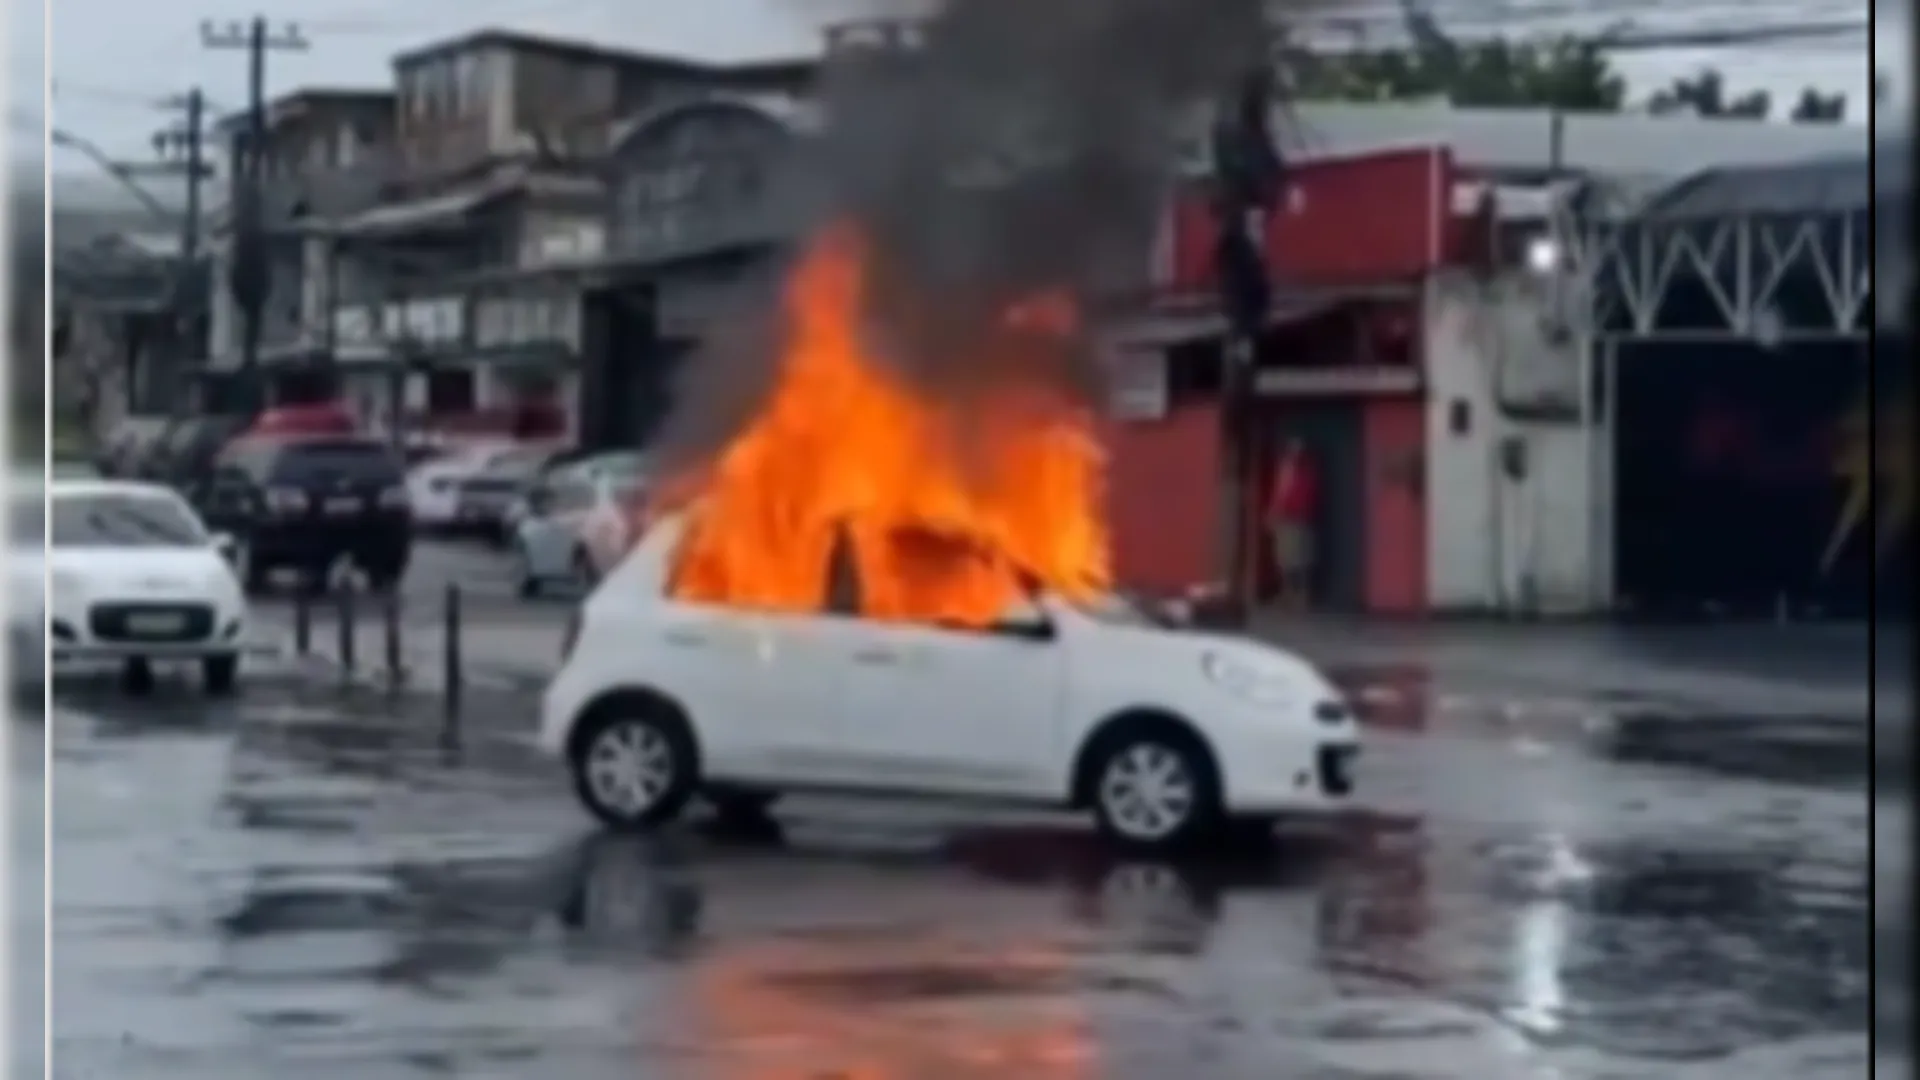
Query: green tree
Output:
(1815,107)
(1704,93)
(1568,72)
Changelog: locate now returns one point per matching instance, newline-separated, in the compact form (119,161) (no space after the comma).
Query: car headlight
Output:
(1247,681)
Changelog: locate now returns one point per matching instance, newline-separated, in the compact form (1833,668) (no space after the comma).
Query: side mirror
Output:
(226,545)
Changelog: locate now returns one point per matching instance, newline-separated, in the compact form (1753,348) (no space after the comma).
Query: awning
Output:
(1168,325)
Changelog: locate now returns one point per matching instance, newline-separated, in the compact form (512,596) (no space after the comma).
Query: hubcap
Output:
(629,767)
(1148,792)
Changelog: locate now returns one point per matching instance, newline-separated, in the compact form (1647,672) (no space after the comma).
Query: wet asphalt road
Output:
(1543,880)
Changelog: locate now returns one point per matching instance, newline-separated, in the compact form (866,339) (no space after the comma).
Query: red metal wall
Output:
(1364,219)
(1395,431)
(1163,499)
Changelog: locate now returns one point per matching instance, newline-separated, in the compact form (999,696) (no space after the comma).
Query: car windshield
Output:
(334,459)
(124,520)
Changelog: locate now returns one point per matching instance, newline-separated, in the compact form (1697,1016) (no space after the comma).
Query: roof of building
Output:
(1523,140)
(1832,184)
(297,103)
(585,51)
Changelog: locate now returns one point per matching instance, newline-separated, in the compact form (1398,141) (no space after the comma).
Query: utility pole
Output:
(1248,177)
(183,147)
(248,277)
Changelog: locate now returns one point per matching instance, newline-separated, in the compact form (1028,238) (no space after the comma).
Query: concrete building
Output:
(477,271)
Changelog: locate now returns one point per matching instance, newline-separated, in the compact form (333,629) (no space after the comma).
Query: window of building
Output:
(470,89)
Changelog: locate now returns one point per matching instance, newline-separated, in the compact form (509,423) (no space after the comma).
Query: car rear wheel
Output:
(1156,790)
(221,674)
(634,768)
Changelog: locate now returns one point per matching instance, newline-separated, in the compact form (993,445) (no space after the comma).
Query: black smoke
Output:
(1018,148)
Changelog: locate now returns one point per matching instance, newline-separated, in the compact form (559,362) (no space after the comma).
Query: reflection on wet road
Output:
(269,889)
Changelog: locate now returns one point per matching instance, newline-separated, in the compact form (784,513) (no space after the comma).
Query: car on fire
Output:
(133,577)
(1167,735)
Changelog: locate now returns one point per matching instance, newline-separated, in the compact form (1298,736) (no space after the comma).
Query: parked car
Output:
(185,457)
(123,448)
(1166,735)
(434,485)
(577,525)
(483,499)
(312,504)
(620,467)
(136,577)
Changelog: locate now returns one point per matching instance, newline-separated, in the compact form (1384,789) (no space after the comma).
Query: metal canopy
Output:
(1768,256)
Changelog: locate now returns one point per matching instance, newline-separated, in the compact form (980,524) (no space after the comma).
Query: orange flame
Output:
(941,516)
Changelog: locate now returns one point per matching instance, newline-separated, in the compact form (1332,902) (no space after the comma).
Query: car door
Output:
(955,710)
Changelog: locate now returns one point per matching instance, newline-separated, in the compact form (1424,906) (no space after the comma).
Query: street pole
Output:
(1247,177)
(249,274)
(185,143)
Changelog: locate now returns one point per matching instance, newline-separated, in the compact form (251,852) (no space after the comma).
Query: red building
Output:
(1351,247)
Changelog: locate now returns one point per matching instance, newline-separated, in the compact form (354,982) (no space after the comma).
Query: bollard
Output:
(391,610)
(302,623)
(347,628)
(450,730)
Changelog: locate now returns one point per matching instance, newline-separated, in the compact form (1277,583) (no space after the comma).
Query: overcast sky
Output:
(111,57)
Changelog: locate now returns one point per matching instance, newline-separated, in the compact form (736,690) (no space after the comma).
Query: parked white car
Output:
(434,486)
(1166,735)
(133,577)
(577,525)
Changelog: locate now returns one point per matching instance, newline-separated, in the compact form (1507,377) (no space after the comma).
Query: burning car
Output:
(866,589)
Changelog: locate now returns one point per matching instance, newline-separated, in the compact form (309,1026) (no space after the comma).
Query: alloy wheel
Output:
(629,768)
(1148,792)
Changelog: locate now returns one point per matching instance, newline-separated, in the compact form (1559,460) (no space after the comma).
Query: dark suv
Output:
(305,502)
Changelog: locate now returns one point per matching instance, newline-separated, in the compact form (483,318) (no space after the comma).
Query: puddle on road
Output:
(367,918)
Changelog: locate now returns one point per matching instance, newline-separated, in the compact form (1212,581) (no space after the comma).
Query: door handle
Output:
(876,657)
(690,639)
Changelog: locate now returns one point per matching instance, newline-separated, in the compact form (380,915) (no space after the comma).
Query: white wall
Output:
(1526,545)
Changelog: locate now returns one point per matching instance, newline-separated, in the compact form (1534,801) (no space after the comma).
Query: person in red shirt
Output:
(1292,512)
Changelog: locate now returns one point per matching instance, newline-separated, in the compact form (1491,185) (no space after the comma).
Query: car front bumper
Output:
(74,635)
(1288,765)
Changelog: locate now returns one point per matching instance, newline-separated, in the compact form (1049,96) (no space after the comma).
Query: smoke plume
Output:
(1018,151)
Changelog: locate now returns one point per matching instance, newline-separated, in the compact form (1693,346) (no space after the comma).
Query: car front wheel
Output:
(1155,791)
(634,769)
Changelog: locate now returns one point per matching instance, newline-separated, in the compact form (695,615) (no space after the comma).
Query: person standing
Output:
(1292,510)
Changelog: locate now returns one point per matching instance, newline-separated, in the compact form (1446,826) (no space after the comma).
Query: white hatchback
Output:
(1166,735)
(132,577)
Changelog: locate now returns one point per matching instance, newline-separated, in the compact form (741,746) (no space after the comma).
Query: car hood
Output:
(1174,651)
(134,572)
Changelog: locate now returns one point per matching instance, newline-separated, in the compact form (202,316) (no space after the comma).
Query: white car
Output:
(577,525)
(133,576)
(434,486)
(1166,735)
